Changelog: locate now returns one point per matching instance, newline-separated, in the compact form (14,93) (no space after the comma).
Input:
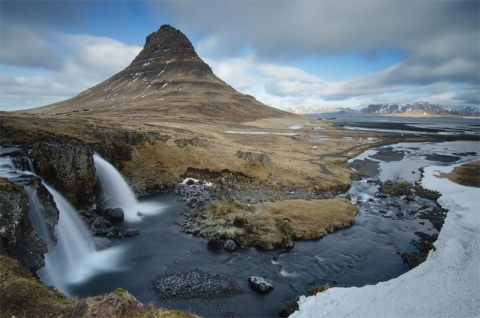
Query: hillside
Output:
(167,80)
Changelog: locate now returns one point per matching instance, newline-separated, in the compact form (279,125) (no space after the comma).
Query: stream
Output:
(364,253)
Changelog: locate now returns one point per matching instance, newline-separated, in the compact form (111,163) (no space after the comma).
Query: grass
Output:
(21,295)
(273,223)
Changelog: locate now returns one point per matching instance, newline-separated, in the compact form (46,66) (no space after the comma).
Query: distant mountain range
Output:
(415,109)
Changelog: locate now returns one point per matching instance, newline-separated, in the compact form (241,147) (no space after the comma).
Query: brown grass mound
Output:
(467,174)
(271,224)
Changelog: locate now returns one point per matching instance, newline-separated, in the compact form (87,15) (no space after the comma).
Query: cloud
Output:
(438,39)
(86,61)
(27,47)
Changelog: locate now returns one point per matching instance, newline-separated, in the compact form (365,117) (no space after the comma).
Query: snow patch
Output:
(447,284)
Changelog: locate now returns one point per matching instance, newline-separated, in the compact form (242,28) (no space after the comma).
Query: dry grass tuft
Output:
(22,296)
(271,224)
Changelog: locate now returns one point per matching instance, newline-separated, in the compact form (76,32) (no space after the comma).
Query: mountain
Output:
(418,109)
(167,80)
(316,110)
(415,109)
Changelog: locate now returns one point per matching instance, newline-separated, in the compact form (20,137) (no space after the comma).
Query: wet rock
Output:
(260,284)
(230,245)
(424,244)
(216,242)
(17,236)
(195,284)
(289,308)
(130,232)
(381,195)
(68,167)
(114,215)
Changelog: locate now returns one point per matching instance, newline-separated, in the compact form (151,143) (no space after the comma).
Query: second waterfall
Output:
(116,193)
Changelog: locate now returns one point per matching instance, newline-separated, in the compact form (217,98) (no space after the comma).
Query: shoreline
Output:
(456,291)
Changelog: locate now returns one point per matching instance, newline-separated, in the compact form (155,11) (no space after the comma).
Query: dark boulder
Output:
(114,215)
(260,284)
(216,241)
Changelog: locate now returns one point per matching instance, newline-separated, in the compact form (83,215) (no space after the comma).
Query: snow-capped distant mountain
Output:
(414,109)
(316,110)
(419,109)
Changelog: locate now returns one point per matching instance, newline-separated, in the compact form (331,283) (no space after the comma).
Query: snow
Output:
(447,284)
(186,180)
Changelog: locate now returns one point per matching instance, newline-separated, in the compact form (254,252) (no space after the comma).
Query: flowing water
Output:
(116,193)
(365,253)
(74,259)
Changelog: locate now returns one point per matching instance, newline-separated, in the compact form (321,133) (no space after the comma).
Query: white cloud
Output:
(87,61)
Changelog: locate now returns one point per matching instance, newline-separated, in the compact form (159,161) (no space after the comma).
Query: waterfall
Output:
(74,259)
(115,190)
(117,193)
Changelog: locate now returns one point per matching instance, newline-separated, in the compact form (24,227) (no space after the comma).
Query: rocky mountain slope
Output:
(167,80)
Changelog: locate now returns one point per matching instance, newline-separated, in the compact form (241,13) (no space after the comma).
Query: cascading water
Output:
(118,194)
(115,190)
(74,259)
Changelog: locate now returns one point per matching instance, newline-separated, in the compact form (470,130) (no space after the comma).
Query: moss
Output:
(8,186)
(23,296)
(427,194)
(318,289)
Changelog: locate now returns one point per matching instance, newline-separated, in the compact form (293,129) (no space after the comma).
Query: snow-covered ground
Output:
(447,284)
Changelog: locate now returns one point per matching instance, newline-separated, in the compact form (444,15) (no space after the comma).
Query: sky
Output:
(286,53)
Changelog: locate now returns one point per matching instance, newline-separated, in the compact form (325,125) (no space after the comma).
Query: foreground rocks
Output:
(18,238)
(195,284)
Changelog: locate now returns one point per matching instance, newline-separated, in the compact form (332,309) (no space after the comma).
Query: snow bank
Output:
(447,284)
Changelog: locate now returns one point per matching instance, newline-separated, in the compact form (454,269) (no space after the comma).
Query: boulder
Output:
(260,284)
(114,215)
(230,245)
(216,242)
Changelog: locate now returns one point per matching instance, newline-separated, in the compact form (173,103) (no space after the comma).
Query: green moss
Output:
(318,289)
(21,295)
(8,186)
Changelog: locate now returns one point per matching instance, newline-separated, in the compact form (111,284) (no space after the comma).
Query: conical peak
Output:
(167,46)
(169,40)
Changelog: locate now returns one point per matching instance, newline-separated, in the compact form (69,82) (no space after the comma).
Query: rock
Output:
(216,242)
(17,236)
(260,284)
(114,215)
(381,195)
(262,158)
(289,308)
(195,284)
(130,232)
(68,167)
(230,246)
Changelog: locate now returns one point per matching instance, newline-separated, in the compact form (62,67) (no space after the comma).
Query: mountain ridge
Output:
(166,80)
(415,109)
